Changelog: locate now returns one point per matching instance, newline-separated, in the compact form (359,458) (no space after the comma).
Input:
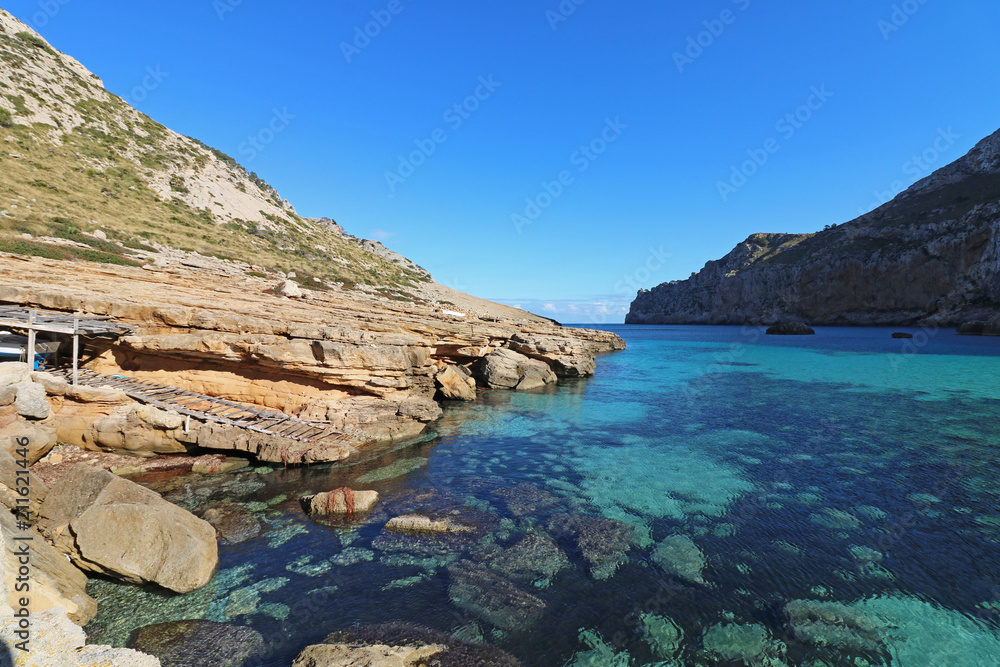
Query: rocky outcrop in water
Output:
(400,645)
(931,255)
(339,502)
(233,523)
(680,556)
(199,644)
(604,543)
(493,598)
(110,525)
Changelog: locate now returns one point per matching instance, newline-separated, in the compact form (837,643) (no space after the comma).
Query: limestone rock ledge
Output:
(369,366)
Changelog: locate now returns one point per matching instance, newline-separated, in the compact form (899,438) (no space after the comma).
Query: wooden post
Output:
(31,339)
(76,347)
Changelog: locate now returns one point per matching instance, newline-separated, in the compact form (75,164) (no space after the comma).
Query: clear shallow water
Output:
(850,472)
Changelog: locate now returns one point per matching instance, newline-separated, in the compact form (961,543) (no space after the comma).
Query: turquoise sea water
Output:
(712,497)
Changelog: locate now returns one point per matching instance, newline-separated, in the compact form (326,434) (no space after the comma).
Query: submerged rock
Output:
(901,334)
(598,653)
(746,643)
(406,640)
(393,470)
(835,519)
(525,499)
(534,558)
(790,329)
(233,523)
(679,555)
(113,526)
(415,523)
(662,634)
(604,543)
(833,624)
(492,598)
(199,643)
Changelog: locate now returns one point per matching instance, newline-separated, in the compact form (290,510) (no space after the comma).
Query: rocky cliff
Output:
(931,255)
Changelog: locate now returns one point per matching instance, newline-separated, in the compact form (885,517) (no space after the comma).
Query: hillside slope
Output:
(75,159)
(931,255)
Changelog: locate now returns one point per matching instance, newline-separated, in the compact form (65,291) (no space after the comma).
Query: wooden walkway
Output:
(212,409)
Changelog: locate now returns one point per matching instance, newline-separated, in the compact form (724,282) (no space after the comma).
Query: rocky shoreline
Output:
(370,366)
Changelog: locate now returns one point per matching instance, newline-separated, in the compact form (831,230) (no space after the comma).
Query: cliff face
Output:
(932,255)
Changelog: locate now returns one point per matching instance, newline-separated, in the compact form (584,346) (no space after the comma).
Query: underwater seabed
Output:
(815,503)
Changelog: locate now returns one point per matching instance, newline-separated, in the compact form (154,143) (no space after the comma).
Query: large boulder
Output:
(506,369)
(455,383)
(199,644)
(113,526)
(54,580)
(30,400)
(790,329)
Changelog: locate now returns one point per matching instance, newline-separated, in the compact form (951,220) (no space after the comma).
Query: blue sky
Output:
(593,145)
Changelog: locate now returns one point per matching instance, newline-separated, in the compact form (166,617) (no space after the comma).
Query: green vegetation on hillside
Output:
(98,175)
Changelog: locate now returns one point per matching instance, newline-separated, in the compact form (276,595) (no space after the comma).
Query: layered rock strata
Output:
(367,366)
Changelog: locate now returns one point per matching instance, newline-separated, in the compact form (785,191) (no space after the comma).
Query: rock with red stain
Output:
(345,502)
